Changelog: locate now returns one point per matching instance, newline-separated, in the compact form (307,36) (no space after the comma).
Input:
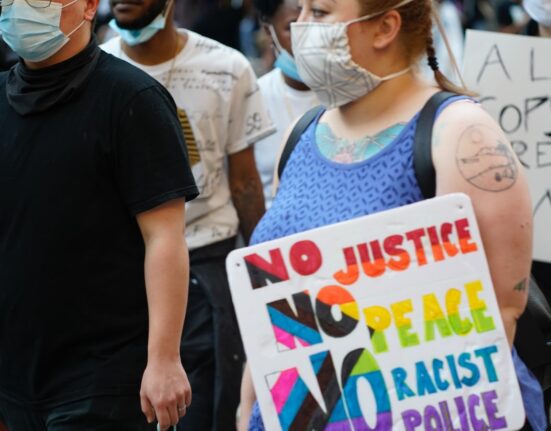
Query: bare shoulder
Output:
(469,147)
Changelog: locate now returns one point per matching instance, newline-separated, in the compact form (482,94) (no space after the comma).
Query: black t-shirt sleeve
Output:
(151,157)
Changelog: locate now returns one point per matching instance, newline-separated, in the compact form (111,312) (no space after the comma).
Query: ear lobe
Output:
(388,28)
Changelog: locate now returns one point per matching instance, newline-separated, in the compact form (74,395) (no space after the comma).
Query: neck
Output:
(294,84)
(162,47)
(77,43)
(545,31)
(380,100)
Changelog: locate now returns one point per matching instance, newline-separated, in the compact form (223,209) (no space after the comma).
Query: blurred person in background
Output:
(450,17)
(511,17)
(186,12)
(222,115)
(478,14)
(103,17)
(540,14)
(221,22)
(286,95)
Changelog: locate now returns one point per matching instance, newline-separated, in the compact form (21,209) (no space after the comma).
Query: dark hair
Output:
(266,9)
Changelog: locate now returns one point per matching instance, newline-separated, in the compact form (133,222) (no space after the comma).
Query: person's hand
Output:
(165,393)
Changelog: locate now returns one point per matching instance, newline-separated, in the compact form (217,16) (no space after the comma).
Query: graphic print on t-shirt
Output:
(191,144)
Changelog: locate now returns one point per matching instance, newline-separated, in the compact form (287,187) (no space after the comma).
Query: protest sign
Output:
(384,322)
(512,75)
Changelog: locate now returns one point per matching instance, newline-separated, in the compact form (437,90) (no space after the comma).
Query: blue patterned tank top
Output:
(315,191)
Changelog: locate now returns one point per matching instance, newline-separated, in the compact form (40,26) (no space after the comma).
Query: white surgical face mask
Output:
(324,61)
(539,10)
(33,33)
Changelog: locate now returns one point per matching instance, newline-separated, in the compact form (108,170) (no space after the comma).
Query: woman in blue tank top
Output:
(356,157)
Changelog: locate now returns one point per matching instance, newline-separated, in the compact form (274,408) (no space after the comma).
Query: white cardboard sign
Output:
(385,322)
(512,75)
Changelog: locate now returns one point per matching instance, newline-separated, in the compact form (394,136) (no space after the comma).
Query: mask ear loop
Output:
(76,29)
(69,4)
(274,38)
(447,44)
(78,26)
(168,4)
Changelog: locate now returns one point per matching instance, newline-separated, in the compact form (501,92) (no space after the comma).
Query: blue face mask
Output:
(284,61)
(142,35)
(33,33)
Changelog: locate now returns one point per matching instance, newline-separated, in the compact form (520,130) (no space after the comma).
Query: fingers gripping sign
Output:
(165,394)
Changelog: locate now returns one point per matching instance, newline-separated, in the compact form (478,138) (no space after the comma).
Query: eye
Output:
(318,13)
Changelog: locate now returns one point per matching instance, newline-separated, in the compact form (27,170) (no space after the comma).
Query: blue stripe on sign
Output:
(293,327)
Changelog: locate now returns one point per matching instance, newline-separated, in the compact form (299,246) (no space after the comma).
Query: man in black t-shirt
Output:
(93,265)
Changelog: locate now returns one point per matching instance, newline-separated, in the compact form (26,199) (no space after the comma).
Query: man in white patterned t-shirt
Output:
(222,115)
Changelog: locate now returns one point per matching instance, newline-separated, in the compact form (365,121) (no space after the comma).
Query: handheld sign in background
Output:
(383,322)
(512,75)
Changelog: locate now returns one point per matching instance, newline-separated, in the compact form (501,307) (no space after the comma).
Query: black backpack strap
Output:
(300,127)
(422,146)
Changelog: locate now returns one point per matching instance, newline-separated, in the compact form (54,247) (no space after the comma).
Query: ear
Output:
(388,28)
(91,9)
(266,29)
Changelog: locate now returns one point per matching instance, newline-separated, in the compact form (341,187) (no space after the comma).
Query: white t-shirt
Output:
(222,112)
(285,105)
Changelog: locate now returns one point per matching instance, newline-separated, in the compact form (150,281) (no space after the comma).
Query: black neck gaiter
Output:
(31,91)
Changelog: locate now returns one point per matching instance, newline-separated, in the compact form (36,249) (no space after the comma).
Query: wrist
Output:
(163,354)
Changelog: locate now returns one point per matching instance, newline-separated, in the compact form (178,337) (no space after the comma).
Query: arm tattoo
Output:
(484,160)
(248,199)
(521,286)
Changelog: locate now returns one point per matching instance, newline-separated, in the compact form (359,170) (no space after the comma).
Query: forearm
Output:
(510,274)
(248,398)
(248,199)
(166,277)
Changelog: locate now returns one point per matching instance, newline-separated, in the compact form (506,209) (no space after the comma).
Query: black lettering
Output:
(520,148)
(502,119)
(543,154)
(545,198)
(488,62)
(531,105)
(532,67)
